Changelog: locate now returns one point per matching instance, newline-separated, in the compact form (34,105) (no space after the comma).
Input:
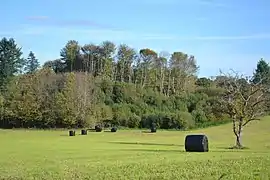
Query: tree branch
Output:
(251,119)
(243,99)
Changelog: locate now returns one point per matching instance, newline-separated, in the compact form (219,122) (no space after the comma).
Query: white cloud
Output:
(156,1)
(114,34)
(201,19)
(94,33)
(39,18)
(214,3)
(211,3)
(240,37)
(51,21)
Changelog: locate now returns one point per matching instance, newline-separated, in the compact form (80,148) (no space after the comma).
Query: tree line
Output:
(106,83)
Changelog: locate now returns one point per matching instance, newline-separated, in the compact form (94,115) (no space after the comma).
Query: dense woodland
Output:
(108,83)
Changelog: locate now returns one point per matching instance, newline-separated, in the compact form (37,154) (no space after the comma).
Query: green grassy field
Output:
(134,155)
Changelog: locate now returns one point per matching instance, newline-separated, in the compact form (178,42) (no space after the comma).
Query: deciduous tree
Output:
(243,101)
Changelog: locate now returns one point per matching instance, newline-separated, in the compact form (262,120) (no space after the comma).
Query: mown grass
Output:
(134,155)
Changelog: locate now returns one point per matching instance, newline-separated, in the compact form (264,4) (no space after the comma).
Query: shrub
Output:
(199,116)
(134,121)
(183,120)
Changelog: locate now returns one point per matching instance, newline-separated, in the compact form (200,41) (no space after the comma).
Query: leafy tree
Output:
(70,54)
(203,82)
(148,57)
(24,103)
(56,65)
(66,102)
(32,63)
(109,49)
(125,58)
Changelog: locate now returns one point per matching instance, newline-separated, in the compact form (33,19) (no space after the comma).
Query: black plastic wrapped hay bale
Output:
(84,132)
(114,129)
(153,128)
(196,143)
(98,128)
(71,133)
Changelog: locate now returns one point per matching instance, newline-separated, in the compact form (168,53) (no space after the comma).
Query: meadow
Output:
(132,154)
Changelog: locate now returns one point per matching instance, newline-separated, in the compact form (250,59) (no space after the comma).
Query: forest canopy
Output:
(110,83)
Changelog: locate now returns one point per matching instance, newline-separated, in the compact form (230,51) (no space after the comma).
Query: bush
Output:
(121,114)
(199,116)
(134,121)
(183,120)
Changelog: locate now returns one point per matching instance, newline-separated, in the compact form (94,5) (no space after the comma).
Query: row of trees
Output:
(159,71)
(92,84)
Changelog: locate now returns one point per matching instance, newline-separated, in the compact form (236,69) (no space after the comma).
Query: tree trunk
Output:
(134,75)
(173,85)
(162,81)
(156,80)
(144,78)
(129,74)
(238,132)
(238,141)
(122,72)
(169,83)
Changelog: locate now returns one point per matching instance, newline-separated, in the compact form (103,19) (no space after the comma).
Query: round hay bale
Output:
(71,133)
(153,129)
(114,129)
(84,132)
(98,128)
(196,143)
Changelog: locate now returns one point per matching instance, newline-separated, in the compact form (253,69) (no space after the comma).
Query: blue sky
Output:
(220,34)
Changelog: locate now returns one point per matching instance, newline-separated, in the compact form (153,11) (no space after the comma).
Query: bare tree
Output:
(243,101)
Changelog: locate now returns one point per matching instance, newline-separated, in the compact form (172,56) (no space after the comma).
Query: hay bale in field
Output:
(84,132)
(153,128)
(98,128)
(196,143)
(71,133)
(114,129)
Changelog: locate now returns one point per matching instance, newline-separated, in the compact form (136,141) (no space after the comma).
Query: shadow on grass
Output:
(148,132)
(91,130)
(70,136)
(183,151)
(155,150)
(64,135)
(147,144)
(233,148)
(108,131)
